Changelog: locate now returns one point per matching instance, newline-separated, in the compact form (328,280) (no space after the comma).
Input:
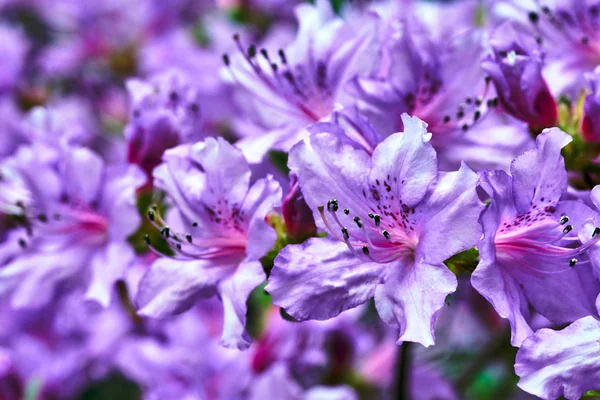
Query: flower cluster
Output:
(325,199)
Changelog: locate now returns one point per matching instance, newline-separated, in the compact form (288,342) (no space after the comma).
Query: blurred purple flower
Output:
(14,47)
(552,364)
(442,82)
(76,216)
(515,67)
(165,112)
(396,225)
(288,90)
(218,234)
(530,243)
(568,31)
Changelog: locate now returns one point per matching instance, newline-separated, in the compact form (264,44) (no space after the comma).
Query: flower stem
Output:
(402,381)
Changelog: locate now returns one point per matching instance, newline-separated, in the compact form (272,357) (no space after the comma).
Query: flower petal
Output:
(262,197)
(108,265)
(540,173)
(320,278)
(411,296)
(172,286)
(406,161)
(227,171)
(565,363)
(234,294)
(449,216)
(329,169)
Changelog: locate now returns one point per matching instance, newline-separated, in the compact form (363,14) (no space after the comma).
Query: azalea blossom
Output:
(75,216)
(390,214)
(530,244)
(217,233)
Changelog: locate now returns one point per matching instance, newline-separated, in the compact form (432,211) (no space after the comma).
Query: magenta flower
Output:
(396,220)
(565,363)
(531,256)
(217,232)
(76,216)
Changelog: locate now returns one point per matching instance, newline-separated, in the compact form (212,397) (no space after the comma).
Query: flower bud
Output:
(299,221)
(515,67)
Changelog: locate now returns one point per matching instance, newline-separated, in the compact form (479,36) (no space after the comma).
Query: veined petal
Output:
(234,292)
(320,278)
(108,265)
(261,198)
(172,286)
(227,171)
(565,363)
(449,216)
(407,161)
(540,173)
(411,296)
(329,169)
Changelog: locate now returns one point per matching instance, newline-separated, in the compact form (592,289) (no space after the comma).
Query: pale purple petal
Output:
(407,161)
(234,293)
(449,216)
(84,173)
(540,173)
(565,363)
(261,198)
(107,266)
(321,278)
(172,286)
(329,169)
(411,296)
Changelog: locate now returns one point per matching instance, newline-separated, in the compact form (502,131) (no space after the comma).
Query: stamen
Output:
(386,234)
(358,222)
(345,233)
(572,262)
(365,250)
(346,211)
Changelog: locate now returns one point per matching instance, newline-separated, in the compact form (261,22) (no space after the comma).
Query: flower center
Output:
(550,240)
(375,238)
(191,246)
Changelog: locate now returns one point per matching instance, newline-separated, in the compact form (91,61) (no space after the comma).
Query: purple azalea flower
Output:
(515,67)
(396,225)
(530,247)
(14,47)
(165,112)
(218,234)
(590,125)
(568,31)
(76,216)
(552,364)
(293,88)
(441,81)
